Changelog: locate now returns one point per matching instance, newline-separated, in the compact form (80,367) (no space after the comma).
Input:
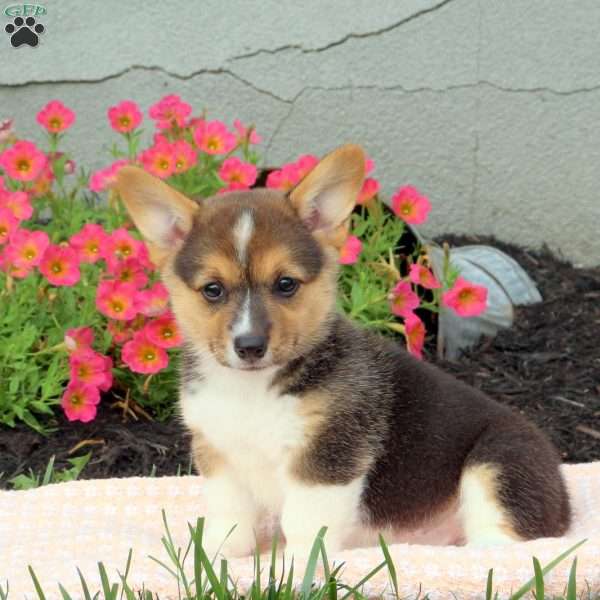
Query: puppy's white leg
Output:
(229,503)
(485,520)
(308,507)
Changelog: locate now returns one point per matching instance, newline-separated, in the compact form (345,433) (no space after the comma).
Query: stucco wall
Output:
(492,107)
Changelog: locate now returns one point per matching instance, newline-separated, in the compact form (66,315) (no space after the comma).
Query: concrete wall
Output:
(492,107)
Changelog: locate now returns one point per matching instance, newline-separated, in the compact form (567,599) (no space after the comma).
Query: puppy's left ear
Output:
(325,198)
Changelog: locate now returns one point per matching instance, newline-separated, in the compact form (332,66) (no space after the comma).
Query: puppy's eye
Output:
(286,286)
(213,291)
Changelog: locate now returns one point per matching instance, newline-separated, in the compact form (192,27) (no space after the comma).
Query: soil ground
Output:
(546,366)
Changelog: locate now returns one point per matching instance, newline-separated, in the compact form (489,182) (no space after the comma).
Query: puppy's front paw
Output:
(219,537)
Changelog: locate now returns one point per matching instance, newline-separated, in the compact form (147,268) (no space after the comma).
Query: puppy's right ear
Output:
(162,214)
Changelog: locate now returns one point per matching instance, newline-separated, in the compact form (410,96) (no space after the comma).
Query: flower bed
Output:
(84,316)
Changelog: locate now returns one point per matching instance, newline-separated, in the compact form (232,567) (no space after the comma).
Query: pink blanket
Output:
(60,527)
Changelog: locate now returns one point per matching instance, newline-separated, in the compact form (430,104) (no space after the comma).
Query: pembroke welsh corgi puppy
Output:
(295,410)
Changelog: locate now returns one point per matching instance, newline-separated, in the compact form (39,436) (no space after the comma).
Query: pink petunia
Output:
(116,300)
(23,161)
(80,401)
(184,155)
(415,335)
(369,189)
(242,133)
(27,248)
(121,245)
(55,117)
(170,112)
(8,267)
(350,250)
(369,165)
(305,164)
(122,331)
(465,298)
(153,301)
(142,356)
(410,205)
(164,332)
(285,178)
(125,116)
(60,265)
(79,338)
(8,224)
(87,366)
(130,270)
(213,137)
(159,160)
(237,173)
(103,178)
(89,242)
(402,299)
(424,277)
(18,203)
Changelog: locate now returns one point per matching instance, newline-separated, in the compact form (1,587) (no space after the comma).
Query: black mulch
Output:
(547,366)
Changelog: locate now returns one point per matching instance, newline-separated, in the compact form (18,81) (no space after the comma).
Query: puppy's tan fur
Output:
(322,422)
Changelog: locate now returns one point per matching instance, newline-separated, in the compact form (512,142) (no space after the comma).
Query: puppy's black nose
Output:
(250,347)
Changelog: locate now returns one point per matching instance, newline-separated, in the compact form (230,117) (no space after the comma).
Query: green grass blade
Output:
(197,535)
(364,580)
(223,577)
(4,592)
(64,593)
(215,584)
(289,586)
(36,584)
(126,575)
(390,565)
(311,565)
(572,585)
(489,587)
(84,586)
(529,585)
(49,470)
(539,579)
(110,591)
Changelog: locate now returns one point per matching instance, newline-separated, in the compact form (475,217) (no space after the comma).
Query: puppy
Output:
(295,410)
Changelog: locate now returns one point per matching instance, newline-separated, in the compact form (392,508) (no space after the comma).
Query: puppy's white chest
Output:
(249,423)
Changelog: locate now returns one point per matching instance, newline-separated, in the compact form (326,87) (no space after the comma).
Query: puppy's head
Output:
(252,275)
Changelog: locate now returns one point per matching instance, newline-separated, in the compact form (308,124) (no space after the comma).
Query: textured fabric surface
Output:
(60,527)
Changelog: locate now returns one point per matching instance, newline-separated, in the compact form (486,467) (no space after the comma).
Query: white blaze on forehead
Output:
(242,232)
(243,320)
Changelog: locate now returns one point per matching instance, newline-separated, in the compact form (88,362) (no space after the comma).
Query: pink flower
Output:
(129,270)
(103,178)
(424,277)
(121,331)
(142,356)
(403,299)
(55,117)
(8,224)
(305,164)
(116,300)
(410,205)
(415,334)
(242,131)
(60,265)
(159,160)
(466,298)
(369,189)
(213,137)
(89,242)
(80,401)
(27,248)
(125,116)
(369,165)
(119,246)
(285,178)
(169,112)
(153,301)
(163,332)
(87,366)
(79,338)
(18,203)
(350,250)
(238,174)
(23,161)
(184,155)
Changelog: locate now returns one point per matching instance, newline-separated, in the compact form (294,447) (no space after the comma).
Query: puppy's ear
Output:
(325,198)
(162,214)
